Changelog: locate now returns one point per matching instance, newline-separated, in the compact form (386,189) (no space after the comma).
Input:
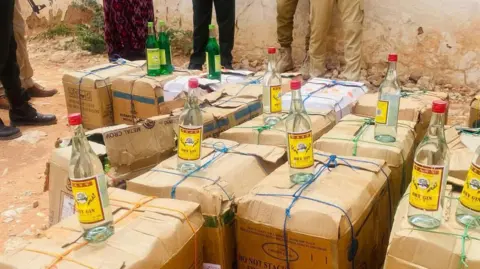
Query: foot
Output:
(4,103)
(285,61)
(193,66)
(8,132)
(27,115)
(39,91)
(228,66)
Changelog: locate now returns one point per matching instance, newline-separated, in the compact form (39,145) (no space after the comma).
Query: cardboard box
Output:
(462,144)
(354,135)
(414,106)
(474,119)
(227,177)
(149,233)
(317,233)
(256,132)
(326,94)
(441,248)
(88,91)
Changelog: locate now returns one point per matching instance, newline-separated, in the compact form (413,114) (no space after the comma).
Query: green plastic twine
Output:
(259,129)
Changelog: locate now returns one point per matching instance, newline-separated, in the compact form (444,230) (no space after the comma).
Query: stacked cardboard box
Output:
(341,220)
(230,171)
(354,135)
(462,144)
(149,233)
(474,119)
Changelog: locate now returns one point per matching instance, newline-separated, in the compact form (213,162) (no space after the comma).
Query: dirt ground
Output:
(23,204)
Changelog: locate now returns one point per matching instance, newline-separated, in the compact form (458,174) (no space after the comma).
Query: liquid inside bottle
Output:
(272,91)
(299,138)
(468,208)
(166,66)
(430,173)
(89,186)
(213,55)
(388,104)
(152,52)
(190,131)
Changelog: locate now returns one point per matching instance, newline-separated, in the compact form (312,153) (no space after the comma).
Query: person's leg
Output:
(285,15)
(320,20)
(202,17)
(352,17)
(306,61)
(225,11)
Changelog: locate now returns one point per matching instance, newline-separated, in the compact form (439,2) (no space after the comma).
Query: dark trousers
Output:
(9,71)
(202,17)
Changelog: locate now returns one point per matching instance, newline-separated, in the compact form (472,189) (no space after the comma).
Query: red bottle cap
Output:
(272,50)
(193,83)
(393,57)
(295,85)
(75,119)
(439,106)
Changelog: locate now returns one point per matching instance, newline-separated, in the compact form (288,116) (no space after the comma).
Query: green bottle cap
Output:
(211,26)
(161,23)
(150,24)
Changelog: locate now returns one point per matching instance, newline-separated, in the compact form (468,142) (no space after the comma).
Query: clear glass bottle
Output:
(430,173)
(388,104)
(152,52)
(190,131)
(89,186)
(213,55)
(468,209)
(166,66)
(272,91)
(299,138)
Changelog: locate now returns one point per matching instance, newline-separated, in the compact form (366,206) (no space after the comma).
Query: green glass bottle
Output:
(166,66)
(213,55)
(152,52)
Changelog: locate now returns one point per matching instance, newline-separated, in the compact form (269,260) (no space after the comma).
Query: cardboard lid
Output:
(358,180)
(61,156)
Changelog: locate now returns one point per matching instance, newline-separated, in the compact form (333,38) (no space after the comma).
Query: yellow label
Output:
(163,57)
(470,197)
(189,143)
(88,200)
(300,150)
(382,112)
(275,99)
(426,186)
(218,66)
(153,59)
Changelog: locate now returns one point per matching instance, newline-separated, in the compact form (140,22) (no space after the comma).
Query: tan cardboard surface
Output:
(462,146)
(474,119)
(398,155)
(414,106)
(440,248)
(318,234)
(160,233)
(93,86)
(255,131)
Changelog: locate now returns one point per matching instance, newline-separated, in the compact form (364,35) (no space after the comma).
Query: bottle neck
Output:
(192,97)
(150,31)
(297,102)
(212,34)
(79,140)
(271,67)
(436,127)
(161,29)
(392,71)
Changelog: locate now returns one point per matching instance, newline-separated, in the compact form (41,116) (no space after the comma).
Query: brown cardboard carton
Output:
(149,233)
(414,106)
(441,248)
(88,91)
(256,132)
(226,177)
(318,232)
(462,144)
(474,119)
(354,135)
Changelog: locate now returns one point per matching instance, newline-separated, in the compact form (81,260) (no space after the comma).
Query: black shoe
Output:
(8,132)
(27,115)
(192,66)
(228,66)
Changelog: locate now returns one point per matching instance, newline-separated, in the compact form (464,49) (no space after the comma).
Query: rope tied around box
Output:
(297,195)
(141,203)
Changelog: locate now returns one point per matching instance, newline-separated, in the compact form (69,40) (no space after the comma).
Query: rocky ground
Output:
(24,204)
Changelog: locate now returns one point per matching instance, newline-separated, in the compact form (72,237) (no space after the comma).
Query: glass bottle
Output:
(388,104)
(430,173)
(272,91)
(152,52)
(89,186)
(299,138)
(213,55)
(468,209)
(166,66)
(190,133)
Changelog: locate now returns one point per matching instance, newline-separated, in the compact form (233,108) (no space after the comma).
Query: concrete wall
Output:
(435,38)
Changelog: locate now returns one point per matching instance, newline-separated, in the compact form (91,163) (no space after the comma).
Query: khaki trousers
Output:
(285,14)
(351,13)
